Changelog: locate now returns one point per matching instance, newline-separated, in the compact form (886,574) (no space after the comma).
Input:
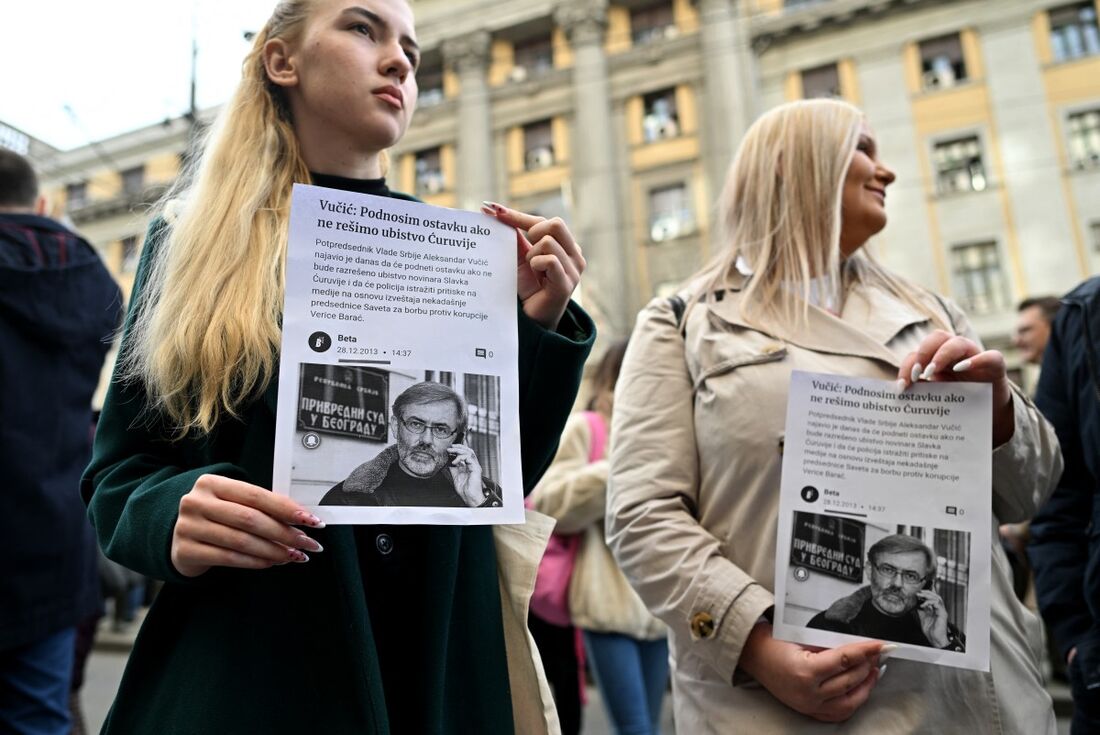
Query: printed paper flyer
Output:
(885,519)
(398,383)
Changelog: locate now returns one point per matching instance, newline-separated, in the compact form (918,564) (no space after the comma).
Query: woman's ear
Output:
(279,63)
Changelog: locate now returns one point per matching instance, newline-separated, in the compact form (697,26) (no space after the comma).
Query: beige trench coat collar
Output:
(869,321)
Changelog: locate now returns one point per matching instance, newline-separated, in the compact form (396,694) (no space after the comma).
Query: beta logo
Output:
(319,342)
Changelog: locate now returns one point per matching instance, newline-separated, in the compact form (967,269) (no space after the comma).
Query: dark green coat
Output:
(291,649)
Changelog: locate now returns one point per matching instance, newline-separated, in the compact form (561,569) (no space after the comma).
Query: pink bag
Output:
(550,600)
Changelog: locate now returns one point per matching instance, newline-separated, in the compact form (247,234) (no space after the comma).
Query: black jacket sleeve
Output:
(551,365)
(1059,531)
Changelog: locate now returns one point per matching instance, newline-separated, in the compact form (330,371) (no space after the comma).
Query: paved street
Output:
(105,670)
(100,684)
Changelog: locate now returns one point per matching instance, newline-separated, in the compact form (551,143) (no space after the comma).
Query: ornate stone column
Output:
(469,56)
(598,221)
(730,98)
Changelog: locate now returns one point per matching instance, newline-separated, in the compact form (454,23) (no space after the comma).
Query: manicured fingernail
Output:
(306,542)
(881,671)
(928,371)
(297,556)
(885,651)
(900,384)
(914,374)
(493,207)
(309,519)
(962,366)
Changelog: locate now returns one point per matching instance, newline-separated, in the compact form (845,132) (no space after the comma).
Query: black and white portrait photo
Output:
(902,584)
(375,437)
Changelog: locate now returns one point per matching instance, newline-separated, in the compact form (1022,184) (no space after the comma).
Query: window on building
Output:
(482,395)
(959,165)
(792,4)
(660,118)
(980,283)
(430,82)
(1094,233)
(538,145)
(670,213)
(532,57)
(129,254)
(76,194)
(652,23)
(822,81)
(133,180)
(1084,138)
(942,63)
(429,172)
(1074,32)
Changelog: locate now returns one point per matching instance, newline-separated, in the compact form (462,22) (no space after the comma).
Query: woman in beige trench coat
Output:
(699,427)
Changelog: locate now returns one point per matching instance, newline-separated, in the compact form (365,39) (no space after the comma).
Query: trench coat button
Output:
(384,544)
(702,625)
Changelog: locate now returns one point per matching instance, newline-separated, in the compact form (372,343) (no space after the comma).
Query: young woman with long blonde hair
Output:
(371,629)
(699,429)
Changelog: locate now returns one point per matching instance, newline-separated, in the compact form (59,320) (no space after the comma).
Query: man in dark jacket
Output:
(58,310)
(428,465)
(900,604)
(1065,534)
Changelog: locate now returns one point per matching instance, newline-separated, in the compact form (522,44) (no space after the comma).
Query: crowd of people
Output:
(665,488)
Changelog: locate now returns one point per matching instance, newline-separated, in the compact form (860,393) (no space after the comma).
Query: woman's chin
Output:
(378,135)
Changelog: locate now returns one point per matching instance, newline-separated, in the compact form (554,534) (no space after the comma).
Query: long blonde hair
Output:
(206,332)
(780,211)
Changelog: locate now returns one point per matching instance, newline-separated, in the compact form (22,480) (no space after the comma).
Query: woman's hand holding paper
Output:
(228,523)
(826,684)
(549,263)
(944,357)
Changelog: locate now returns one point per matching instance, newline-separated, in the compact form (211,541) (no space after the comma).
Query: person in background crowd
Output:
(1033,319)
(59,309)
(699,432)
(386,629)
(627,646)
(1065,534)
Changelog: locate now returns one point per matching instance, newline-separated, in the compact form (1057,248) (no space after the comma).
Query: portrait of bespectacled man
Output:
(428,463)
(900,604)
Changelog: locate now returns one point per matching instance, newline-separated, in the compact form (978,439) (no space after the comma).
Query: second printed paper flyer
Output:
(885,517)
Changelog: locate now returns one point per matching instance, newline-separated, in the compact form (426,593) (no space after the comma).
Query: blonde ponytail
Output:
(207,329)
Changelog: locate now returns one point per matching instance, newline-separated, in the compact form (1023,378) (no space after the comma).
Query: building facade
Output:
(990,114)
(105,190)
(622,117)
